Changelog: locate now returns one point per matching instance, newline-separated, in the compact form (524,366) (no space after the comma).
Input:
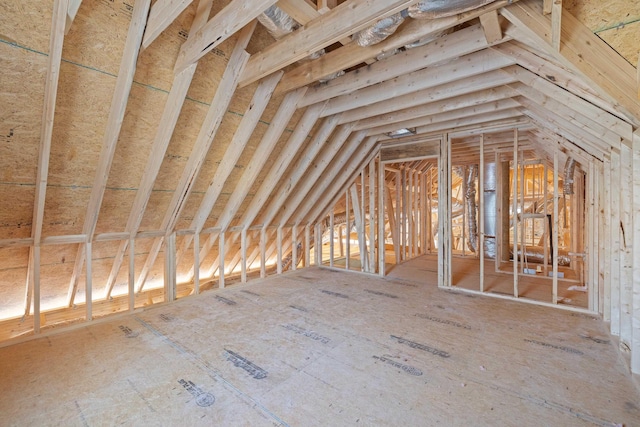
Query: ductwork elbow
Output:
(432,9)
(379,31)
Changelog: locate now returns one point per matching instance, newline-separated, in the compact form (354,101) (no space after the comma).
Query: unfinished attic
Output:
(327,212)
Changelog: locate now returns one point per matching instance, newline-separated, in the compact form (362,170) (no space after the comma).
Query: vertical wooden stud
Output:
(221,256)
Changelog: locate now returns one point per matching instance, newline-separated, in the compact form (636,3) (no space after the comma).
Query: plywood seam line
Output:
(164,132)
(212,121)
(112,132)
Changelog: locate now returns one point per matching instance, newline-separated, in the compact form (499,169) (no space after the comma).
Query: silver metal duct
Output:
(490,210)
(470,199)
(432,9)
(535,254)
(277,22)
(428,39)
(569,169)
(380,30)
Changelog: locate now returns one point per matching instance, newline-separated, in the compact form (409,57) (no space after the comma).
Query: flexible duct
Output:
(470,198)
(432,9)
(535,254)
(380,30)
(569,169)
(277,22)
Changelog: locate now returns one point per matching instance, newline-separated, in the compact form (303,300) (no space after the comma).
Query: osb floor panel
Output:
(466,274)
(318,347)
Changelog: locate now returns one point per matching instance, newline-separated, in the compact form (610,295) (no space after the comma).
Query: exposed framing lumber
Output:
(456,103)
(211,123)
(277,169)
(336,187)
(448,47)
(290,202)
(342,21)
(299,169)
(112,132)
(162,14)
(481,211)
(56,41)
(626,244)
(313,189)
(413,86)
(556,24)
(491,26)
(72,11)
(514,209)
(444,210)
(259,159)
(615,248)
(582,51)
(88,285)
(635,318)
(372,216)
(236,15)
(170,268)
(432,93)
(569,100)
(432,119)
(247,125)
(556,228)
(350,55)
(357,213)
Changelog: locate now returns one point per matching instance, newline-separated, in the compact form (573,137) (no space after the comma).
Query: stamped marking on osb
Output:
(225,300)
(203,398)
(241,362)
(422,347)
(411,370)
(128,332)
(309,334)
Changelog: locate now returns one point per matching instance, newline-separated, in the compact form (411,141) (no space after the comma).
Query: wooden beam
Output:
(431,119)
(277,169)
(245,129)
(170,114)
(112,132)
(236,15)
(162,14)
(326,196)
(432,94)
(600,136)
(458,102)
(491,26)
(568,99)
(72,11)
(215,114)
(635,341)
(298,171)
(56,41)
(582,51)
(362,246)
(547,6)
(350,55)
(556,24)
(445,48)
(311,178)
(302,11)
(260,157)
(342,21)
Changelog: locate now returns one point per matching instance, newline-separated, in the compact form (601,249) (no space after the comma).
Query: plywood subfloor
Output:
(466,275)
(318,347)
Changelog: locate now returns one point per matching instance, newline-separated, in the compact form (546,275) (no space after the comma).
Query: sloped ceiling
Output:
(165,116)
